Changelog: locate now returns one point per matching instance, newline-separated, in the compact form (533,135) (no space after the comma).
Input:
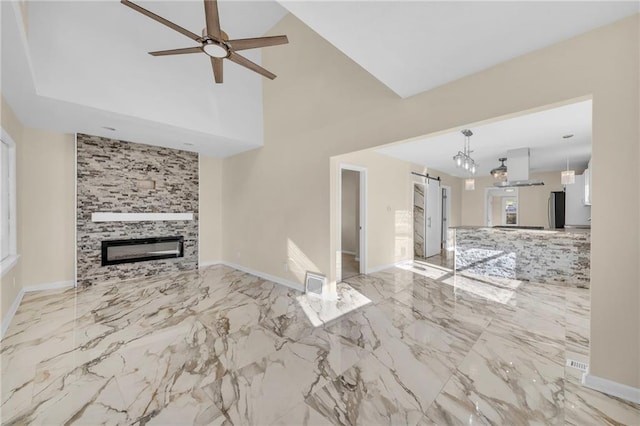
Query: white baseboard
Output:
(12,311)
(28,289)
(49,286)
(383,267)
(266,276)
(352,253)
(202,265)
(612,388)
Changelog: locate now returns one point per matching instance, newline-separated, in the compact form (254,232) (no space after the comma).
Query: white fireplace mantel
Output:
(138,217)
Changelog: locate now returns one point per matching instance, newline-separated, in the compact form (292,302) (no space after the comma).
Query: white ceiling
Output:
(84,64)
(541,132)
(414,46)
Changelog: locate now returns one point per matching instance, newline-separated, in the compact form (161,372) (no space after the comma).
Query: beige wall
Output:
(349,218)
(276,199)
(10,283)
(389,231)
(46,207)
(210,210)
(532,201)
(496,210)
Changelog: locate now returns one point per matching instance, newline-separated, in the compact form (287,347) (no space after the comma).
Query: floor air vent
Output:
(314,283)
(582,366)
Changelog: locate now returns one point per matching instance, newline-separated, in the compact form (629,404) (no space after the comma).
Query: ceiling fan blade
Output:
(216,63)
(160,19)
(176,51)
(241,60)
(252,43)
(213,18)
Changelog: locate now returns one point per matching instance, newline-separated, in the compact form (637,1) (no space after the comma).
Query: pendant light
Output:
(463,158)
(464,161)
(500,172)
(568,177)
(469,184)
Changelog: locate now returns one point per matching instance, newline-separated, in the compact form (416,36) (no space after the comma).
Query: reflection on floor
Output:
(350,266)
(219,346)
(445,260)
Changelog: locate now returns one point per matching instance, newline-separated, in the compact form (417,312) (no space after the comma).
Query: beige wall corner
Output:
(277,203)
(46,206)
(210,211)
(389,238)
(45,210)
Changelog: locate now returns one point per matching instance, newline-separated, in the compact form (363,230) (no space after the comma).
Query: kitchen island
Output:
(553,256)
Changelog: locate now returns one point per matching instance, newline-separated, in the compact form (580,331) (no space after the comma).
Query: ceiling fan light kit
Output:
(215,50)
(214,42)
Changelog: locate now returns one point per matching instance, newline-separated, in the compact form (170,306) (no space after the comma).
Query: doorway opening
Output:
(352,221)
(427,219)
(501,207)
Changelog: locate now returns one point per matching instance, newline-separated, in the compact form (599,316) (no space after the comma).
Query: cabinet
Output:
(587,185)
(576,212)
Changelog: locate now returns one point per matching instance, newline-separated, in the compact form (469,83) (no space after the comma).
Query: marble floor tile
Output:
(585,406)
(375,289)
(577,334)
(368,328)
(350,266)
(261,392)
(302,415)
(449,311)
(501,383)
(246,346)
(543,335)
(219,346)
(371,393)
(323,311)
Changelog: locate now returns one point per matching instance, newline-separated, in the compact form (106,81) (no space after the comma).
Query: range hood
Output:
(518,172)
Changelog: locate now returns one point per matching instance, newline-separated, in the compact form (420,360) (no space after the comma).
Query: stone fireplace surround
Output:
(115,202)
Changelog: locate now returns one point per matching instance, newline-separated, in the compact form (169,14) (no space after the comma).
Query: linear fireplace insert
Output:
(141,249)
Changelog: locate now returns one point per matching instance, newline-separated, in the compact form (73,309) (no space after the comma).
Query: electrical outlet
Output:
(238,255)
(285,266)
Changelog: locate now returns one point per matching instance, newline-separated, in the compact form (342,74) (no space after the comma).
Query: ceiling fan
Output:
(214,42)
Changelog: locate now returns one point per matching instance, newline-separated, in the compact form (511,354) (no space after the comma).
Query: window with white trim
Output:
(7,202)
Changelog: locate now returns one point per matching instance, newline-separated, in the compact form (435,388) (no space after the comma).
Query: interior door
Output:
(433,214)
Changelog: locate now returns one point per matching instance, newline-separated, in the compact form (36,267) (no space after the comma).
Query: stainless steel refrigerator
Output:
(556,207)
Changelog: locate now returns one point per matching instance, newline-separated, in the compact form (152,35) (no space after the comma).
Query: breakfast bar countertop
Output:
(567,230)
(550,256)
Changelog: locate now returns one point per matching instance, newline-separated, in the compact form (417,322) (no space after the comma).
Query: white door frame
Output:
(446,210)
(487,205)
(362,246)
(413,228)
(429,212)
(503,207)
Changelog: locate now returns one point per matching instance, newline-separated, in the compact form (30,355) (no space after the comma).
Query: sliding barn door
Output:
(419,228)
(433,218)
